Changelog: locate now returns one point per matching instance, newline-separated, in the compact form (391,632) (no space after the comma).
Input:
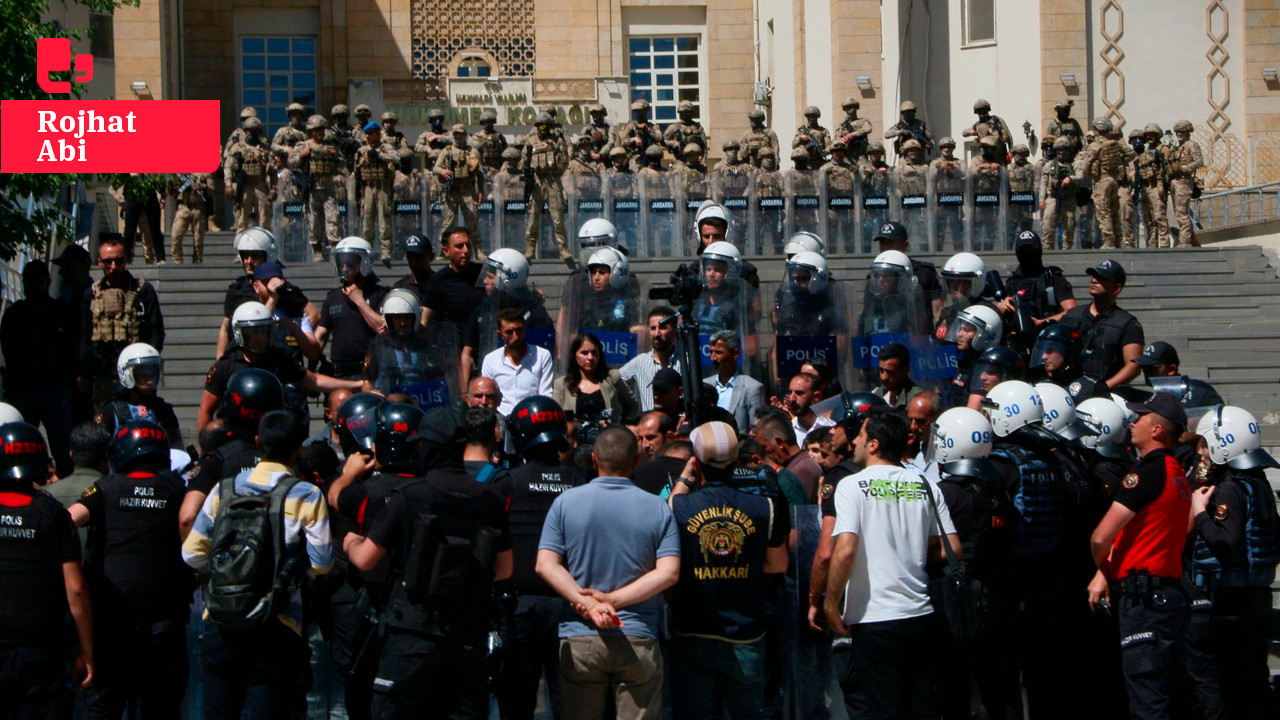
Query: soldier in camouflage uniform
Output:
(1106,161)
(815,139)
(459,172)
(250,159)
(948,178)
(854,133)
(509,180)
(363,116)
(1058,197)
(988,124)
(910,175)
(323,163)
(433,139)
(584,163)
(731,178)
(677,136)
(769,182)
(341,134)
(637,135)
(873,163)
(1129,192)
(984,174)
(489,142)
(238,134)
(907,127)
(190,192)
(1022,179)
(375,167)
(290,135)
(1063,125)
(1184,160)
(622,179)
(758,138)
(547,157)
(600,133)
(407,186)
(557,127)
(839,177)
(1150,175)
(393,137)
(651,174)
(689,174)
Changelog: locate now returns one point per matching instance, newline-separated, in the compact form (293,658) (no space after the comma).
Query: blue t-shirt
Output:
(610,533)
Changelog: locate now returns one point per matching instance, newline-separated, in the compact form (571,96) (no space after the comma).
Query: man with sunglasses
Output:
(118,310)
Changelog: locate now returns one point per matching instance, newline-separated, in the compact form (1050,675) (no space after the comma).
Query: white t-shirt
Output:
(890,513)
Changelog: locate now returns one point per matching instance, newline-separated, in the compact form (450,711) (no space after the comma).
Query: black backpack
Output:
(250,576)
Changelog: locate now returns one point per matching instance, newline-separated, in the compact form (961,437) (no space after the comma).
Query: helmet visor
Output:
(1050,354)
(964,330)
(887,281)
(255,335)
(348,264)
(987,375)
(147,373)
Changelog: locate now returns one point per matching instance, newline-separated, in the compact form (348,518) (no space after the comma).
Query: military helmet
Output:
(435,114)
(388,116)
(511,154)
(765,152)
(1183,126)
(24,456)
(136,440)
(616,152)
(1062,143)
(812,111)
(537,421)
(340,109)
(946,141)
(317,122)
(911,144)
(906,106)
(247,113)
(1102,125)
(640,104)
(685,106)
(252,123)
(980,105)
(653,151)
(1152,128)
(548,109)
(1136,133)
(543,119)
(295,108)
(458,128)
(755,114)
(799,153)
(1021,149)
(488,116)
(875,146)
(395,435)
(363,109)
(250,394)
(1064,102)
(354,428)
(692,148)
(581,140)
(597,108)
(851,101)
(730,144)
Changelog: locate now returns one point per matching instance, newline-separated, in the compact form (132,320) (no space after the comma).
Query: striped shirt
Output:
(640,371)
(306,527)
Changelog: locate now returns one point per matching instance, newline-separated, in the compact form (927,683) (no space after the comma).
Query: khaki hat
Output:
(851,101)
(458,128)
(615,152)
(640,104)
(906,106)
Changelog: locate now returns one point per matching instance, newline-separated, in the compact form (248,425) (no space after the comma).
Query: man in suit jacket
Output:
(739,394)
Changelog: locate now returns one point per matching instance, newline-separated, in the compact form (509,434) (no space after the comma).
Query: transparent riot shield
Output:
(839,220)
(986,227)
(606,304)
(1087,231)
(661,203)
(435,217)
(804,679)
(487,218)
(290,224)
(733,190)
(811,320)
(770,213)
(348,213)
(689,205)
(804,202)
(1023,202)
(500,294)
(910,205)
(948,189)
(408,212)
(727,303)
(873,204)
(421,363)
(513,205)
(624,211)
(892,310)
(586,197)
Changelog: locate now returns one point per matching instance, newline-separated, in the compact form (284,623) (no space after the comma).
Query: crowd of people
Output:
(939,488)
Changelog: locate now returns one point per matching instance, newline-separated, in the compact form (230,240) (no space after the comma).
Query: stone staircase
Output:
(1219,306)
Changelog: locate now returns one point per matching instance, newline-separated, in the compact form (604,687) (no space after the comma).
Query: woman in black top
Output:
(590,387)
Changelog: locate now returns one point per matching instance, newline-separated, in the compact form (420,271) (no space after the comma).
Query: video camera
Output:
(683,289)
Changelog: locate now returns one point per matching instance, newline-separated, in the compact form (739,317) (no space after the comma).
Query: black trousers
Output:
(1239,623)
(133,211)
(424,678)
(535,651)
(33,683)
(252,674)
(1153,649)
(143,664)
(354,648)
(890,660)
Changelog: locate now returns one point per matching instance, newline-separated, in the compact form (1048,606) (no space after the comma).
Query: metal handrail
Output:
(1214,210)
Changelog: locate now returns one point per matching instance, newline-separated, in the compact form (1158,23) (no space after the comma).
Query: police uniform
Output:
(229,460)
(350,335)
(1040,294)
(1104,337)
(141,589)
(114,318)
(410,365)
(375,166)
(120,408)
(801,312)
(291,302)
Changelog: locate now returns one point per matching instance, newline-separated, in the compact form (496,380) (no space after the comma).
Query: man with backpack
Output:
(253,658)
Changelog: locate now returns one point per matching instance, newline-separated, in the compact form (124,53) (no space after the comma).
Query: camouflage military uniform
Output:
(755,141)
(909,176)
(908,127)
(1106,161)
(601,139)
(431,142)
(393,137)
(1068,128)
(237,134)
(689,175)
(856,146)
(839,177)
(578,167)
(254,161)
(678,135)
(328,185)
(948,174)
(190,192)
(548,158)
(821,146)
(489,143)
(1057,202)
(1152,165)
(634,138)
(988,124)
(731,178)
(1184,160)
(290,135)
(375,166)
(467,186)
(1022,181)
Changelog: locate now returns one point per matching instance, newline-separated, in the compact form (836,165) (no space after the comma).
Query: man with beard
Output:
(641,369)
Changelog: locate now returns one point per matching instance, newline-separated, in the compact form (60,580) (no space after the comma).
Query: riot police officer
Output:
(140,585)
(1039,292)
(711,224)
(963,278)
(975,329)
(539,434)
(349,317)
(409,358)
(1159,363)
(611,303)
(1112,336)
(803,304)
(140,370)
(40,551)
(1056,356)
(726,299)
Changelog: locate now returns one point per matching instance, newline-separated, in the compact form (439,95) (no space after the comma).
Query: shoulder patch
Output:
(98,418)
(209,376)
(1130,481)
(827,491)
(93,489)
(1220,511)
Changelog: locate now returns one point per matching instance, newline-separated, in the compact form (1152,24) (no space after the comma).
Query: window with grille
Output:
(101,36)
(473,67)
(274,72)
(665,71)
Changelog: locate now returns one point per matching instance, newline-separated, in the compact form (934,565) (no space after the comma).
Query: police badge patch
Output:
(1220,511)
(1130,481)
(827,491)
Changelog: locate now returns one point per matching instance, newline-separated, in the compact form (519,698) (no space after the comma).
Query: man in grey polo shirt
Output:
(609,549)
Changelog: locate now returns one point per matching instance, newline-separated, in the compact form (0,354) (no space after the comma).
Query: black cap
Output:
(1027,237)
(1164,405)
(417,244)
(441,426)
(666,379)
(1157,352)
(892,230)
(36,267)
(1108,270)
(268,270)
(74,254)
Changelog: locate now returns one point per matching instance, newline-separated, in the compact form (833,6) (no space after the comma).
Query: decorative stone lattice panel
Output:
(443,28)
(1217,82)
(1111,26)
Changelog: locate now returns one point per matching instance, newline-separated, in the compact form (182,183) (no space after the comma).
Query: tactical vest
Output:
(609,311)
(135,550)
(691,133)
(1102,349)
(533,488)
(753,142)
(542,156)
(1109,160)
(1039,496)
(988,539)
(254,160)
(857,147)
(1257,568)
(911,178)
(722,315)
(374,171)
(324,160)
(463,164)
(769,184)
(490,148)
(804,313)
(949,176)
(33,606)
(839,180)
(1021,178)
(191,196)
(1069,129)
(1149,165)
(413,368)
(115,313)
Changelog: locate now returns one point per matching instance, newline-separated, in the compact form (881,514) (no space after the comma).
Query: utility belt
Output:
(379,184)
(1141,586)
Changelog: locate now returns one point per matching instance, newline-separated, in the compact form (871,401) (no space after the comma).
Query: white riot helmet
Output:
(1011,405)
(248,316)
(257,239)
(508,268)
(138,355)
(980,319)
(961,443)
(892,260)
(350,250)
(401,301)
(1060,412)
(891,266)
(9,414)
(616,262)
(709,210)
(966,266)
(804,241)
(725,252)
(807,269)
(593,235)
(1234,439)
(1111,430)
(1130,417)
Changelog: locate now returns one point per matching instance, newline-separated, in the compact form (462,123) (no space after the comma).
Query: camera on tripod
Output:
(684,288)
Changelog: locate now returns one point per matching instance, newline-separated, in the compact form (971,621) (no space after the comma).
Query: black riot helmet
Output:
(395,436)
(994,366)
(356,435)
(1057,339)
(139,445)
(250,394)
(852,409)
(24,456)
(536,421)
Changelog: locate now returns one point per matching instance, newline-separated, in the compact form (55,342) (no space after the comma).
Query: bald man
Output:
(326,433)
(922,411)
(484,391)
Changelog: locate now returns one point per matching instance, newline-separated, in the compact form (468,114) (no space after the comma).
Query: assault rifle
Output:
(528,173)
(813,146)
(238,177)
(302,176)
